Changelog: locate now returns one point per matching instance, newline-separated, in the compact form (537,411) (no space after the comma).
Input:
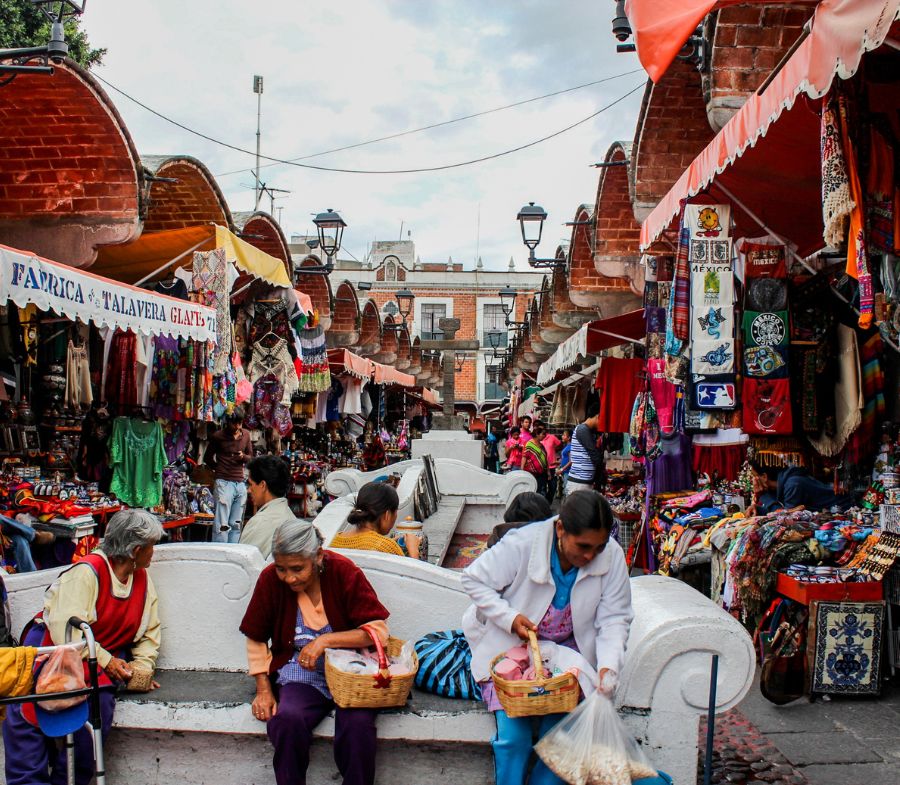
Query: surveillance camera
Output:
(621,27)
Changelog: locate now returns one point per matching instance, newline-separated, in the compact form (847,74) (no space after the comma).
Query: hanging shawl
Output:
(857,252)
(836,201)
(682,286)
(848,397)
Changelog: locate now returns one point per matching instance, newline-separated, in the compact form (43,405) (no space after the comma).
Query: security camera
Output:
(621,27)
(57,48)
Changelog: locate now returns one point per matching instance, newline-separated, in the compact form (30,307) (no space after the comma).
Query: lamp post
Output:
(405,299)
(531,222)
(508,297)
(330,231)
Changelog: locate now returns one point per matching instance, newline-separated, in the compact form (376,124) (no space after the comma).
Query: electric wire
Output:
(339,170)
(445,122)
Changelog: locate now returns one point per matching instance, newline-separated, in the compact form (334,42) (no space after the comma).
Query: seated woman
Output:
(372,519)
(527,507)
(112,591)
(564,579)
(267,487)
(309,600)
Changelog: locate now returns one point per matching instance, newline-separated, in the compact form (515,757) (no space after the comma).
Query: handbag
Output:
(783,675)
(445,666)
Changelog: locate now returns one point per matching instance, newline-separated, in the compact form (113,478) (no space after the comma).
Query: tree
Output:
(23,24)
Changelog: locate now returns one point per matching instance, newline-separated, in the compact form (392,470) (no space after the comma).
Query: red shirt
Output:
(551,444)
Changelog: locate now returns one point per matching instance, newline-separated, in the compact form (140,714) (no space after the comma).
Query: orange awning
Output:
(154,251)
(662,27)
(781,178)
(343,361)
(387,374)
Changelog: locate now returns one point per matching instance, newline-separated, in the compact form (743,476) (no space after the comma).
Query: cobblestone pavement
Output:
(837,742)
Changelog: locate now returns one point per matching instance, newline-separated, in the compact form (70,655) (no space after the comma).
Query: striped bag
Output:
(444,666)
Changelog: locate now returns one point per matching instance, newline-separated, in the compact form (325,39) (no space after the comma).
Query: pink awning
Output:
(345,362)
(781,178)
(387,374)
(661,27)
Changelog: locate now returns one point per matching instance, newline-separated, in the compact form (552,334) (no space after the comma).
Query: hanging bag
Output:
(63,672)
(591,746)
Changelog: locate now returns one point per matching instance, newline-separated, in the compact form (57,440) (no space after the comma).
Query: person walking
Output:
(565,461)
(534,460)
(229,451)
(586,456)
(551,444)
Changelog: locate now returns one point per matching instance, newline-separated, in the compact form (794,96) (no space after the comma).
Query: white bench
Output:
(199,729)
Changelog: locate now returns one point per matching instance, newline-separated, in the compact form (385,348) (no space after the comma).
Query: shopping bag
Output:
(591,746)
(63,671)
(444,666)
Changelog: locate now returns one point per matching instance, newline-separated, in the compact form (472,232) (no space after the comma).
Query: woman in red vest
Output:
(310,599)
(111,590)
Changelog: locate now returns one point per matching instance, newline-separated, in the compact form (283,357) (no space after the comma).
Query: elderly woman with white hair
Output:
(310,600)
(112,591)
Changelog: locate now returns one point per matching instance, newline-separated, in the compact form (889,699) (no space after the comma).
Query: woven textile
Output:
(836,201)
(682,286)
(845,647)
(211,280)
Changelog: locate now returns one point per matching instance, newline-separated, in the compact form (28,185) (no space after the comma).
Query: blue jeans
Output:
(231,497)
(512,750)
(21,537)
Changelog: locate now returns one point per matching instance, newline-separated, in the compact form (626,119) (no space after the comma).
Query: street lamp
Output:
(330,229)
(461,361)
(508,297)
(405,300)
(531,221)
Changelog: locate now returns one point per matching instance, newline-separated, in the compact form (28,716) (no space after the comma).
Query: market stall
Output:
(77,367)
(767,423)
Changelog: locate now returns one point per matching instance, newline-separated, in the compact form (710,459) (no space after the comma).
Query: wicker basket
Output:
(536,697)
(364,691)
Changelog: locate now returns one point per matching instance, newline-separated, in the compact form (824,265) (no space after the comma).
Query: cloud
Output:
(363,70)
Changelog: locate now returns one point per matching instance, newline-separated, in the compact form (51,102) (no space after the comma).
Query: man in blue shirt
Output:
(565,460)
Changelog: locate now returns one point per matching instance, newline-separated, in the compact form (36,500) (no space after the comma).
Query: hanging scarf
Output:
(836,201)
(880,193)
(682,286)
(857,251)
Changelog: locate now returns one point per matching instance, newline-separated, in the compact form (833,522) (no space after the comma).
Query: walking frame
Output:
(93,692)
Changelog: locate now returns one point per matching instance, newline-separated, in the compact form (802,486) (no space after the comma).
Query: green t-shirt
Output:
(138,458)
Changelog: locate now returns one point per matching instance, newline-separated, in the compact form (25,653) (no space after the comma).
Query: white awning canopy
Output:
(78,294)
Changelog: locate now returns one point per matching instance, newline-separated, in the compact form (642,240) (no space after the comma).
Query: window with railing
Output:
(432,313)
(494,331)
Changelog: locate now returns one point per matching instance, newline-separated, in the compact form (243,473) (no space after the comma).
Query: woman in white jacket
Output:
(566,580)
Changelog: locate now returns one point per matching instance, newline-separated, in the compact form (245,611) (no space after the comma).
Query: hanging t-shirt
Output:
(618,383)
(663,392)
(769,328)
(138,457)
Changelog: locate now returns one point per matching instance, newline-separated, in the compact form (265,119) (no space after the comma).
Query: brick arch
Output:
(404,349)
(262,231)
(550,330)
(565,314)
(536,348)
(346,319)
(70,175)
(195,198)
(387,354)
(415,357)
(318,287)
(370,330)
(747,43)
(671,131)
(616,232)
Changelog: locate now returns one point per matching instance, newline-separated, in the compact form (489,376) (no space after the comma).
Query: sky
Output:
(360,69)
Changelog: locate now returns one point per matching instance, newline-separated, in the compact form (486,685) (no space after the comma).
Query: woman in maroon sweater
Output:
(309,600)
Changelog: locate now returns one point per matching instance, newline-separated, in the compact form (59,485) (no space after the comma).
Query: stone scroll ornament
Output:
(713,349)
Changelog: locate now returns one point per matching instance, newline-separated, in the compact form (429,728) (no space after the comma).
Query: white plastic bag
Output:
(591,746)
(350,661)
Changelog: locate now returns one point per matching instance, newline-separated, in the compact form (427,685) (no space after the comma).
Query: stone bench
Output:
(198,728)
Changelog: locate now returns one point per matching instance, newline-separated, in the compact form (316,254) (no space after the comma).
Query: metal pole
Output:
(796,256)
(711,720)
(256,189)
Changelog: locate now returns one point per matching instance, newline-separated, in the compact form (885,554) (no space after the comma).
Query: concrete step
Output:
(441,526)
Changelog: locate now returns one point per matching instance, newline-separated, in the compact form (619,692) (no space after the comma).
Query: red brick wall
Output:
(318,287)
(748,43)
(465,309)
(263,233)
(65,159)
(371,325)
(671,131)
(346,309)
(585,281)
(617,233)
(194,199)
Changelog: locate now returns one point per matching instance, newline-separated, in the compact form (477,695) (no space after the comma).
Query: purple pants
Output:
(33,758)
(302,707)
